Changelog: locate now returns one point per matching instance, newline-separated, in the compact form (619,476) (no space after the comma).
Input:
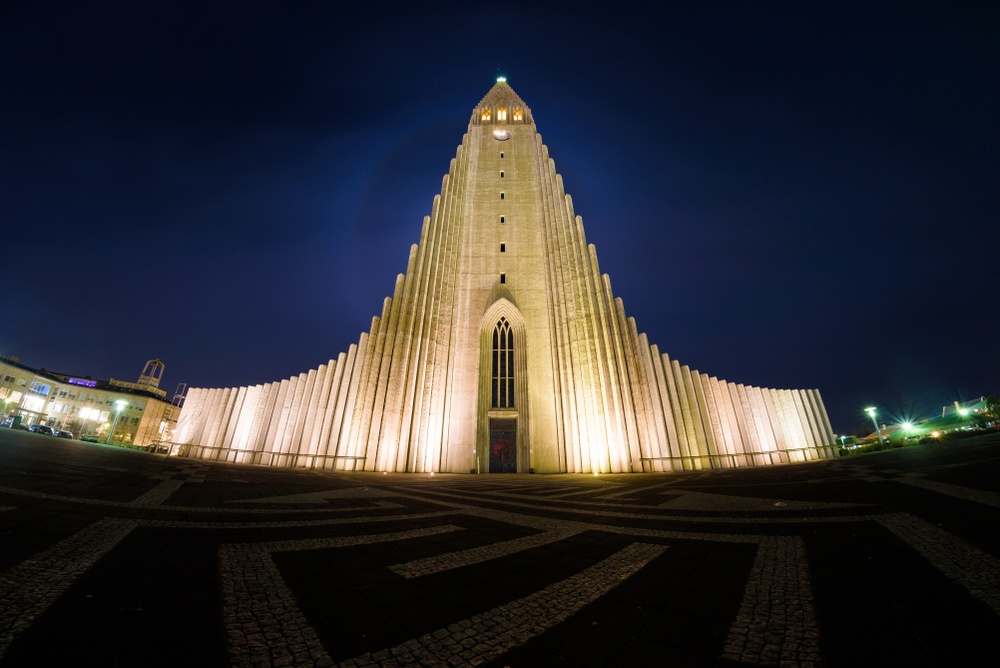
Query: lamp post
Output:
(119,405)
(871,413)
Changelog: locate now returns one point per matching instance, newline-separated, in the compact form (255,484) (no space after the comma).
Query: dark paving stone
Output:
(154,596)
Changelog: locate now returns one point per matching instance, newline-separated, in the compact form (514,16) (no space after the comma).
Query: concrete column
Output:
(256,405)
(190,420)
(746,423)
(709,416)
(386,457)
(361,421)
(635,369)
(823,418)
(682,411)
(276,429)
(343,411)
(292,408)
(782,443)
(317,413)
(217,416)
(270,416)
(659,406)
(765,437)
(391,436)
(242,419)
(327,446)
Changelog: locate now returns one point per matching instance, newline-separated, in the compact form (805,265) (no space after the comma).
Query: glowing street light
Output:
(871,413)
(119,405)
(909,428)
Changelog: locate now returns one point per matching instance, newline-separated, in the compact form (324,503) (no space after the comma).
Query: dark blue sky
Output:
(784,194)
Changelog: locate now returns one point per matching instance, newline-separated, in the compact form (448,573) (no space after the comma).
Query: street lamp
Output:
(871,413)
(119,405)
(909,428)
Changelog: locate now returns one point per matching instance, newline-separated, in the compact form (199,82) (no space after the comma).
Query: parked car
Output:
(12,422)
(41,429)
(62,433)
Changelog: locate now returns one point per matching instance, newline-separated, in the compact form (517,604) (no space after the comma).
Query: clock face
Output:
(501,135)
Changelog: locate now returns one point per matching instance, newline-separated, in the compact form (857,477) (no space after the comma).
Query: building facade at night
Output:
(502,349)
(139,413)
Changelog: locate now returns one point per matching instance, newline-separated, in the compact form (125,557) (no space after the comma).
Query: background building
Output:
(503,349)
(139,412)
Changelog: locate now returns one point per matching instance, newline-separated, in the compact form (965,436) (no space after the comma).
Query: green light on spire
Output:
(501,79)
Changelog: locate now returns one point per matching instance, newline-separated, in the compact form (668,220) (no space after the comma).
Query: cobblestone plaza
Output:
(119,557)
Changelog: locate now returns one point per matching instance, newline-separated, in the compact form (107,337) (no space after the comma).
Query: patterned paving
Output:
(125,558)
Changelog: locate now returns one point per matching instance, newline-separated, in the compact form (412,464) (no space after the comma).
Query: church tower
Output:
(503,349)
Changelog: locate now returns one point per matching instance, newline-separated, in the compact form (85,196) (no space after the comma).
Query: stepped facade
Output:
(503,349)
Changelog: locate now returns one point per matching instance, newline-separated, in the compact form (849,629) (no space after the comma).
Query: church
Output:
(503,349)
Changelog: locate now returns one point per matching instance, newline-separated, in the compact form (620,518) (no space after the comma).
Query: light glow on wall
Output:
(34,404)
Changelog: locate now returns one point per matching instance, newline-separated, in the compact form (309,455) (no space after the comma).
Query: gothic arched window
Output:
(503,365)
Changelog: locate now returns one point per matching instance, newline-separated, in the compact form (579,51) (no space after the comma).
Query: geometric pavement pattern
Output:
(118,557)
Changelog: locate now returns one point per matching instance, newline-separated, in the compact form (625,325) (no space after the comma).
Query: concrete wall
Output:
(592,395)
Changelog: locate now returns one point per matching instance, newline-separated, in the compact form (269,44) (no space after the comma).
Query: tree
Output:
(991,407)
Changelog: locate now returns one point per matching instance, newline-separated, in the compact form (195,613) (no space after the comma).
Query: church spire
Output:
(501,105)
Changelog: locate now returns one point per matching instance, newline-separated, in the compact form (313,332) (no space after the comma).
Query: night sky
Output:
(784,194)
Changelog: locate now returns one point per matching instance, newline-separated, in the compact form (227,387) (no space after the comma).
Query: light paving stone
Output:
(158,494)
(142,502)
(965,493)
(30,587)
(776,623)
(510,625)
(451,560)
(693,500)
(256,601)
(970,567)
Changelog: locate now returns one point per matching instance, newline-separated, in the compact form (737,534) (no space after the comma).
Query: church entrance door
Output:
(503,445)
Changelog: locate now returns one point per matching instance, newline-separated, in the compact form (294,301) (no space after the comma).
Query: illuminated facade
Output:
(138,412)
(502,348)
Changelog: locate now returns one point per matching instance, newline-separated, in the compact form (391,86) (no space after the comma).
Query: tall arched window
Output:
(503,365)
(502,114)
(485,115)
